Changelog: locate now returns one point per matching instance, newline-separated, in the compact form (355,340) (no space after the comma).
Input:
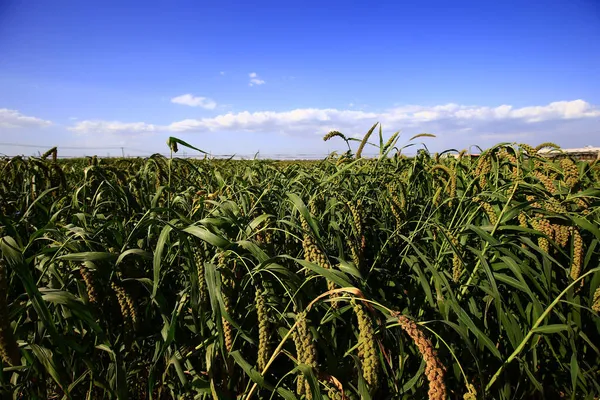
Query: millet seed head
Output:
(306,351)
(457,268)
(367,351)
(596,300)
(202,288)
(90,284)
(577,259)
(570,172)
(264,351)
(530,151)
(434,369)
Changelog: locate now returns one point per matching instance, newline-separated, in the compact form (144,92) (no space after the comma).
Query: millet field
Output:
(430,276)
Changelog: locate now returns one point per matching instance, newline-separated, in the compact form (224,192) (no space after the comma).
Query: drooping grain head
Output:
(489,210)
(333,134)
(354,253)
(357,216)
(450,182)
(434,369)
(313,205)
(547,181)
(367,351)
(596,300)
(264,351)
(522,220)
(306,351)
(202,288)
(457,268)
(127,305)
(530,151)
(484,166)
(227,286)
(577,259)
(436,197)
(313,254)
(546,145)
(523,223)
(570,172)
(90,284)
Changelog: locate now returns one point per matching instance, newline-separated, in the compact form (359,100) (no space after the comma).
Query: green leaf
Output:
(89,256)
(588,226)
(137,252)
(312,380)
(338,277)
(157,264)
(256,377)
(207,236)
(574,372)
(46,357)
(173,141)
(421,135)
(301,207)
(551,328)
(79,309)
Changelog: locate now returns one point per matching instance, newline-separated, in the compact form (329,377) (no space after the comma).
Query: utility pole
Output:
(123,152)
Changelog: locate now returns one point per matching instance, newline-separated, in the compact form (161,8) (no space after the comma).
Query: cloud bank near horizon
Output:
(453,124)
(448,118)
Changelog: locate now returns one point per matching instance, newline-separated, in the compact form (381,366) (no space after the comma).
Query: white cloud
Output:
(255,80)
(454,124)
(556,110)
(14,119)
(195,101)
(265,121)
(222,73)
(113,128)
(412,115)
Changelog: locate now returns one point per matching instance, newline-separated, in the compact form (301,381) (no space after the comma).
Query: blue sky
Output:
(273,77)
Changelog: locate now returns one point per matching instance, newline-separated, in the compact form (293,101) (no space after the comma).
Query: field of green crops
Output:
(394,277)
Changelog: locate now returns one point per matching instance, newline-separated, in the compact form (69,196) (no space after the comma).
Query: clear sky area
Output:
(235,77)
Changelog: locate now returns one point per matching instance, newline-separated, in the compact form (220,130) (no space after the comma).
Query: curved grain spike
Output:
(202,288)
(451,176)
(364,141)
(390,141)
(528,149)
(262,312)
(306,352)
(90,284)
(227,285)
(332,134)
(126,304)
(577,259)
(596,300)
(434,369)
(367,351)
(570,172)
(546,145)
